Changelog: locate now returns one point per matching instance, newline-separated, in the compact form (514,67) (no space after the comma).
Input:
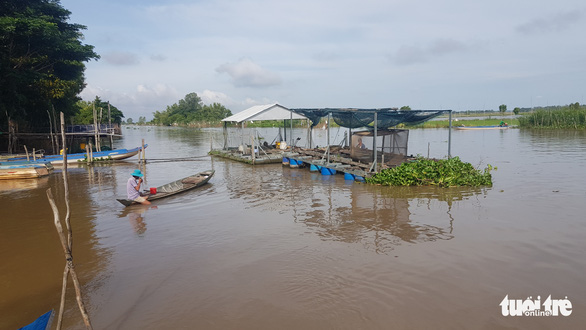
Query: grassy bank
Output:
(472,122)
(563,118)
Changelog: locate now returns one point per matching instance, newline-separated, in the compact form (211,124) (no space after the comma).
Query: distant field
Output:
(472,122)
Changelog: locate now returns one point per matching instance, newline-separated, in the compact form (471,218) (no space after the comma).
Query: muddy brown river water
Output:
(270,247)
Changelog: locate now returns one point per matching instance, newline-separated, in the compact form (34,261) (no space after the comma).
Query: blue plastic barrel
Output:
(327,171)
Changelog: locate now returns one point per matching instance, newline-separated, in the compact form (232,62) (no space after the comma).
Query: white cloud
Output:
(334,53)
(142,101)
(246,73)
(209,97)
(121,58)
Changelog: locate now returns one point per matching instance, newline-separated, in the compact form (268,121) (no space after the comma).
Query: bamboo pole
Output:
(67,244)
(26,151)
(51,131)
(66,183)
(143,153)
(95,126)
(69,265)
(110,127)
(100,126)
(252,153)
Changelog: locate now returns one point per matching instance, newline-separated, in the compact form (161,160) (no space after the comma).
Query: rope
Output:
(185,159)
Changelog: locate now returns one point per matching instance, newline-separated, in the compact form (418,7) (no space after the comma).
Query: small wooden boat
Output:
(24,170)
(480,127)
(116,154)
(175,187)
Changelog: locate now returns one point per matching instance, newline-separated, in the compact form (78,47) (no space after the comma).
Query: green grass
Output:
(471,122)
(574,118)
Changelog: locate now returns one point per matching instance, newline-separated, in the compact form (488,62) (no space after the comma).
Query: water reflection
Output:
(32,259)
(377,217)
(136,215)
(12,186)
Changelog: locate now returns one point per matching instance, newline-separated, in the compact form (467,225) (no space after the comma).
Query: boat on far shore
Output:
(480,127)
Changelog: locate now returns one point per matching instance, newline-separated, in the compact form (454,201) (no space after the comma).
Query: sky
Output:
(425,54)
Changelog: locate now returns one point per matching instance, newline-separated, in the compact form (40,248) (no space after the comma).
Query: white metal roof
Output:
(264,112)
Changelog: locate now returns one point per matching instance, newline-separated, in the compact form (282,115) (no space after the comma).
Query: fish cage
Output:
(390,145)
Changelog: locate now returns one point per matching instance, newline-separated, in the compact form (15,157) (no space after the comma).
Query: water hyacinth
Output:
(429,172)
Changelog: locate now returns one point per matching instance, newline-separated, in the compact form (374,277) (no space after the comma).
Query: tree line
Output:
(191,111)
(41,63)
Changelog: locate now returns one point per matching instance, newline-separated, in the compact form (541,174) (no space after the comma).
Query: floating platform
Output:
(316,160)
(273,156)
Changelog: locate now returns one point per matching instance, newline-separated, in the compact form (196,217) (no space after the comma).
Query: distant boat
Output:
(480,127)
(24,170)
(116,154)
(176,187)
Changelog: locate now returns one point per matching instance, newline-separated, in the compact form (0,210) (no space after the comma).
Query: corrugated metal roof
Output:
(264,112)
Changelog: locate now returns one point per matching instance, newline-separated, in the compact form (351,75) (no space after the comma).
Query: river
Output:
(270,247)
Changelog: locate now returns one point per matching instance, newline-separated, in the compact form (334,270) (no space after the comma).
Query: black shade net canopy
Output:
(357,118)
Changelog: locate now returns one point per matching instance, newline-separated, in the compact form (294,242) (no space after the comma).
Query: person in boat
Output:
(133,188)
(360,145)
(503,124)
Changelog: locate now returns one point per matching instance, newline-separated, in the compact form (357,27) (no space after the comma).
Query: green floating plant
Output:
(429,172)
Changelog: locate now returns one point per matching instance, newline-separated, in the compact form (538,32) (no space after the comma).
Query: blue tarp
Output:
(42,323)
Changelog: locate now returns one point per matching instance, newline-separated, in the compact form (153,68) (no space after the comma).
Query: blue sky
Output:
(427,54)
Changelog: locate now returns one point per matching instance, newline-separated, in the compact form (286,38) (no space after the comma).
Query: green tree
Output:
(190,110)
(129,121)
(503,108)
(215,112)
(405,107)
(141,120)
(41,62)
(86,112)
(516,110)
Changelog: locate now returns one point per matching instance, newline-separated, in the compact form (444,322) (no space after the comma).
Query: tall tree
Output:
(503,108)
(86,112)
(41,62)
(190,110)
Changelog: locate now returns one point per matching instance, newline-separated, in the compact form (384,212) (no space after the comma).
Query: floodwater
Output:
(269,247)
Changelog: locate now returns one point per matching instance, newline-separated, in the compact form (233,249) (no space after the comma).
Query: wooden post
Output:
(110,127)
(143,152)
(450,136)
(34,154)
(26,151)
(67,243)
(99,134)
(69,266)
(90,154)
(252,153)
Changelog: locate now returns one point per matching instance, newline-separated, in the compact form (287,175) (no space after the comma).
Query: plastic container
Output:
(153,191)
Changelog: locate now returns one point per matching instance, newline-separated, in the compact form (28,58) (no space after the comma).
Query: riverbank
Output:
(464,122)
